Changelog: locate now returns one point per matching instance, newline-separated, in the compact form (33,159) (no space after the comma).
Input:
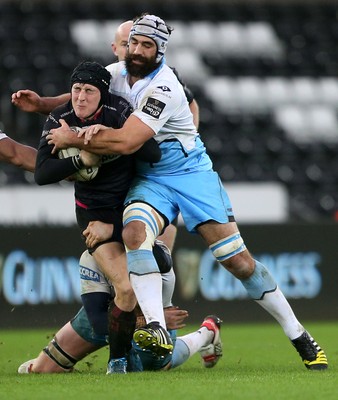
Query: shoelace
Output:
(308,348)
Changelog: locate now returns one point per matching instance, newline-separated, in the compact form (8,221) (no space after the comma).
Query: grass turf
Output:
(258,363)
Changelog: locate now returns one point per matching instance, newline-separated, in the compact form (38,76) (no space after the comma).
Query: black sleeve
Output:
(188,93)
(96,305)
(149,152)
(49,168)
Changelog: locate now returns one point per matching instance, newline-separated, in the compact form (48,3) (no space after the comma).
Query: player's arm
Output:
(175,317)
(139,127)
(193,105)
(30,101)
(96,232)
(195,111)
(100,139)
(49,167)
(17,154)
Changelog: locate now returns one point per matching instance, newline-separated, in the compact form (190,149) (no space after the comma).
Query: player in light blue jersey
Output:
(182,181)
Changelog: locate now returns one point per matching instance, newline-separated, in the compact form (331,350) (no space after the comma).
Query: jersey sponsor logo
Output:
(109,158)
(164,88)
(158,92)
(45,133)
(153,107)
(42,280)
(89,275)
(53,119)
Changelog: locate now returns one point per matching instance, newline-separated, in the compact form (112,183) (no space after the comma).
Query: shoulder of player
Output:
(163,88)
(171,72)
(117,102)
(65,111)
(115,68)
(165,80)
(62,110)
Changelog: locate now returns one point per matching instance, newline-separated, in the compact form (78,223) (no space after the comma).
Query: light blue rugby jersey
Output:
(177,161)
(159,101)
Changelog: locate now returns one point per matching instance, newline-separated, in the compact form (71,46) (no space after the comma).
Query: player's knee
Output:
(231,252)
(126,293)
(241,265)
(142,224)
(134,234)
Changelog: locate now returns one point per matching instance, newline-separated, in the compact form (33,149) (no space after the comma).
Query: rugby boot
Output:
(212,352)
(117,366)
(312,355)
(154,338)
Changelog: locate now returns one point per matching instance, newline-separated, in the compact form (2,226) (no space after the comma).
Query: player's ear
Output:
(113,46)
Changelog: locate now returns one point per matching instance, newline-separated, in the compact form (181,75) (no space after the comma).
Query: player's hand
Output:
(62,137)
(97,232)
(90,131)
(175,317)
(27,100)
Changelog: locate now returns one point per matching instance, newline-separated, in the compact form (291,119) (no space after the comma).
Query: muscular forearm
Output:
(18,154)
(26,158)
(47,104)
(110,141)
(100,139)
(104,142)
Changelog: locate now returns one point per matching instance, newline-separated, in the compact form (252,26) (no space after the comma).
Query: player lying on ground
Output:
(77,338)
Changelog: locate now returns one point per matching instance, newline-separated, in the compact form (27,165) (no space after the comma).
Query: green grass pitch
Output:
(258,363)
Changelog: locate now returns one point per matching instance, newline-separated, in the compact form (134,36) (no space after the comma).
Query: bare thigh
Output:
(112,260)
(169,236)
(212,231)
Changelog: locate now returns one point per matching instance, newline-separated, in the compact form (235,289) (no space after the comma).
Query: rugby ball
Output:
(84,174)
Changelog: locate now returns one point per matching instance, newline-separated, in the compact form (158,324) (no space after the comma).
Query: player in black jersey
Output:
(99,199)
